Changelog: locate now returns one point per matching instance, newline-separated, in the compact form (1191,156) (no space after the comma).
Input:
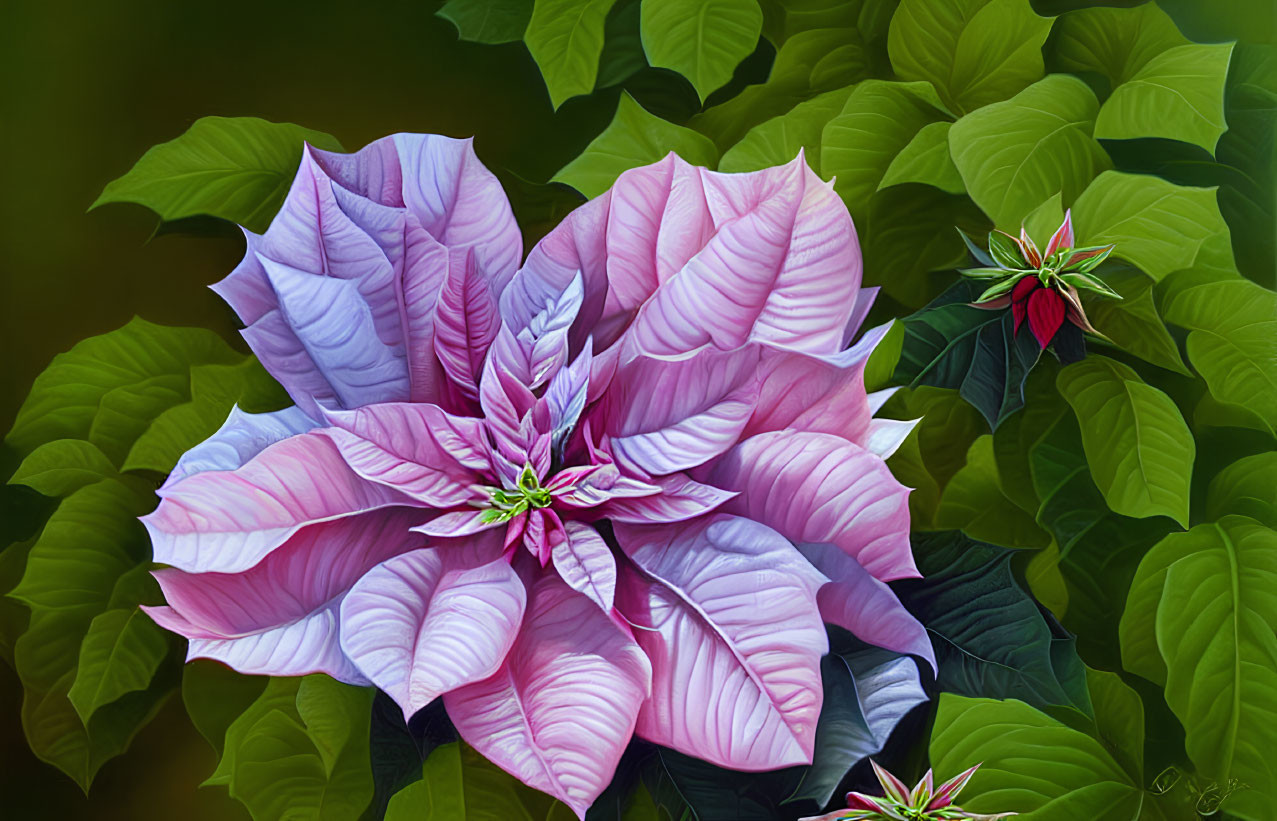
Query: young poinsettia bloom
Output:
(1040,286)
(615,489)
(925,802)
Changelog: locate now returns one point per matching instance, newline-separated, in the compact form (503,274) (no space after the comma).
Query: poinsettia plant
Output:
(1041,286)
(640,523)
(925,802)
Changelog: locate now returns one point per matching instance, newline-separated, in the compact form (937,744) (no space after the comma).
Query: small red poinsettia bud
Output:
(1040,286)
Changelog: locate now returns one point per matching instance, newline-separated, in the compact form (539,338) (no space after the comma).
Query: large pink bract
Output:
(616,490)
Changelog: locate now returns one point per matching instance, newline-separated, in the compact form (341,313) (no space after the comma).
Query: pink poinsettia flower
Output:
(616,489)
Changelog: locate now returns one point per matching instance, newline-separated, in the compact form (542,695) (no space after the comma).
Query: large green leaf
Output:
(1039,767)
(879,120)
(300,751)
(1201,619)
(1133,322)
(235,168)
(779,140)
(488,21)
(991,638)
(127,376)
(61,467)
(1248,199)
(704,40)
(214,390)
(633,138)
(974,52)
(458,784)
(1113,42)
(566,39)
(1178,94)
(1233,337)
(953,344)
(926,160)
(1247,487)
(1015,154)
(1156,225)
(121,653)
(1137,444)
(975,503)
(1161,84)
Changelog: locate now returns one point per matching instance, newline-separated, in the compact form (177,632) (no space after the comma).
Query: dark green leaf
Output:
(622,55)
(1132,322)
(778,140)
(120,654)
(488,21)
(991,638)
(215,695)
(458,784)
(975,503)
(867,692)
(951,344)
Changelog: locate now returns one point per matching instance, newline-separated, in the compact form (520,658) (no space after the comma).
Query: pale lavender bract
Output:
(671,359)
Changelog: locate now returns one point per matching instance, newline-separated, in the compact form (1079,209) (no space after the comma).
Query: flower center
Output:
(506,504)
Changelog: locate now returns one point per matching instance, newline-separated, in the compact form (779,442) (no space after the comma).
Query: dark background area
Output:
(87,87)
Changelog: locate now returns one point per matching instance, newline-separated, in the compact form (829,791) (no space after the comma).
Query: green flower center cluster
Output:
(506,504)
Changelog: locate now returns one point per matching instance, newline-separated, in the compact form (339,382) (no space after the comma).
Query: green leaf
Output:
(879,120)
(1137,444)
(458,784)
(926,160)
(1098,549)
(1247,487)
(1158,226)
(633,138)
(901,252)
(214,390)
(1014,154)
(936,449)
(1046,582)
(822,45)
(1031,764)
(1132,322)
(1200,619)
(61,467)
(106,388)
(121,653)
(488,21)
(300,751)
(1178,94)
(974,52)
(1248,199)
(704,40)
(233,168)
(974,503)
(867,692)
(566,39)
(622,46)
(1233,337)
(778,140)
(1115,43)
(951,344)
(215,695)
(89,542)
(991,638)
(1014,440)
(1006,252)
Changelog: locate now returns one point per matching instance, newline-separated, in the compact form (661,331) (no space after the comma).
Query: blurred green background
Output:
(88,87)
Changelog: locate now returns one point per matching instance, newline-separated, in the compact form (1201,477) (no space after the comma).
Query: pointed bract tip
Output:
(893,786)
